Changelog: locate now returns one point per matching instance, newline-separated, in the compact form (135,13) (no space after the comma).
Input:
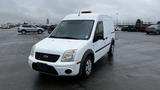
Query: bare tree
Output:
(138,25)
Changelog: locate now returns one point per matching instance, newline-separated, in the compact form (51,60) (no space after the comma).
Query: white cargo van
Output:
(78,42)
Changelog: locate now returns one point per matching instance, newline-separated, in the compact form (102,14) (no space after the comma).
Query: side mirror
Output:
(98,37)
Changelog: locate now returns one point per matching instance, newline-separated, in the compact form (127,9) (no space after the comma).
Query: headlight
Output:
(32,51)
(69,55)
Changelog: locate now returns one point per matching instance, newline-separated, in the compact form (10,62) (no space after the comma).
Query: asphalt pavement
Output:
(135,65)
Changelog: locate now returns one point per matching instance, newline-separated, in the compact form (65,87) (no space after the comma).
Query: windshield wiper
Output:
(64,37)
(53,37)
(68,37)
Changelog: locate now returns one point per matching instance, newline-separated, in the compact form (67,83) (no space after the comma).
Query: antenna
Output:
(79,13)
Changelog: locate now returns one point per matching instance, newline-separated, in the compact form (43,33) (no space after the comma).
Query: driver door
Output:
(33,28)
(99,41)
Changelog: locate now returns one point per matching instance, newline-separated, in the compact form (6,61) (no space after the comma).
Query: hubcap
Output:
(88,67)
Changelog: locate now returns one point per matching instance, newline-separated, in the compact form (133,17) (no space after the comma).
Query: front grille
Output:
(47,57)
(44,68)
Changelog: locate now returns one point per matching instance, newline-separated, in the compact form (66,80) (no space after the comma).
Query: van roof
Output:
(84,16)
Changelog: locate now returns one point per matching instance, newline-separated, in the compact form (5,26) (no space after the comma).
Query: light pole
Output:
(117,18)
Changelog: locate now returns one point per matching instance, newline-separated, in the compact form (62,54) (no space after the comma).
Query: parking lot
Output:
(135,66)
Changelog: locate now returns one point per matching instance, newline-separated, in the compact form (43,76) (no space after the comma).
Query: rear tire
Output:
(111,50)
(155,33)
(40,31)
(23,31)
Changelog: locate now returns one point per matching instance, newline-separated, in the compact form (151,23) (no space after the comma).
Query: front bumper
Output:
(59,67)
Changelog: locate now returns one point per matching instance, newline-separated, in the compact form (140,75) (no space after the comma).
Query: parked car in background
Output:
(124,28)
(143,28)
(30,28)
(45,27)
(118,28)
(153,29)
(51,28)
(5,26)
(129,28)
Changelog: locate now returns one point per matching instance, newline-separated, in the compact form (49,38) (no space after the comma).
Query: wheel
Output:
(23,31)
(147,33)
(87,67)
(111,50)
(154,33)
(157,33)
(40,31)
(49,32)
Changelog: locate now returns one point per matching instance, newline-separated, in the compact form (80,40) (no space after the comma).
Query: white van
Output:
(78,42)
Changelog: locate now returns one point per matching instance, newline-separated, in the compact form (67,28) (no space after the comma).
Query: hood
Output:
(58,46)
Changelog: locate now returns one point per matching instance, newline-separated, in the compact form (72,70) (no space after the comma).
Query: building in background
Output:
(47,21)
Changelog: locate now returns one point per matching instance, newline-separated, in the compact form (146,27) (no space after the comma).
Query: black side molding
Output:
(112,32)
(103,47)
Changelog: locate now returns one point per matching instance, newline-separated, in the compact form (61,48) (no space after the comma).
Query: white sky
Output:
(55,10)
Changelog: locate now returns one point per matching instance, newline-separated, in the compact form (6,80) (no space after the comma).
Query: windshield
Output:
(73,29)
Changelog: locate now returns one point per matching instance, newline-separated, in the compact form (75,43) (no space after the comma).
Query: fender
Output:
(88,52)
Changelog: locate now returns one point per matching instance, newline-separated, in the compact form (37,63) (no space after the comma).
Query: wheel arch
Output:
(23,30)
(40,30)
(89,52)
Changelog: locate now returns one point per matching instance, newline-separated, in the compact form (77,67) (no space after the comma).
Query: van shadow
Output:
(50,82)
(105,62)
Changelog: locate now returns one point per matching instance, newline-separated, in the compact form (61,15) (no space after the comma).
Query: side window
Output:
(26,26)
(99,33)
(33,26)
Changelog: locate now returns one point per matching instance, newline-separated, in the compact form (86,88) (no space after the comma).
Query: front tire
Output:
(87,67)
